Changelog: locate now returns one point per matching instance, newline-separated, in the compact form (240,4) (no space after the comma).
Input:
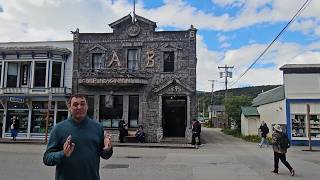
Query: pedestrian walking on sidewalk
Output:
(264,130)
(77,143)
(280,144)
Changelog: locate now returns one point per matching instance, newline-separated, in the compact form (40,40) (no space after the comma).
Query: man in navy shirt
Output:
(77,143)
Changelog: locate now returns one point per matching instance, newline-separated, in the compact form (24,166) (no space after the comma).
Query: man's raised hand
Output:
(68,147)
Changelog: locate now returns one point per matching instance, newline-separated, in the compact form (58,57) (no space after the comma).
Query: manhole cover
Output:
(116,166)
(133,157)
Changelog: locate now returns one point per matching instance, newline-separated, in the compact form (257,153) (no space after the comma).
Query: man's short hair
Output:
(76,96)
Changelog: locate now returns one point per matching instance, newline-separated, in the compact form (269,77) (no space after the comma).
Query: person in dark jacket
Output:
(264,130)
(280,144)
(196,131)
(140,135)
(77,143)
(122,130)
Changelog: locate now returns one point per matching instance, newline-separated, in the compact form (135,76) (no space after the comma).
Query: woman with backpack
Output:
(280,144)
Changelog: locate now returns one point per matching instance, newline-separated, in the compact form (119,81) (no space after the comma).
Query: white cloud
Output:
(222,38)
(280,54)
(307,26)
(225,45)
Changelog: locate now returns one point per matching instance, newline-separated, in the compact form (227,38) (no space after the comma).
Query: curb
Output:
(115,144)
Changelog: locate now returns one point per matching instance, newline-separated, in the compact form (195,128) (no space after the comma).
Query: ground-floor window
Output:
(300,126)
(110,110)
(61,115)
(315,125)
(133,111)
(62,112)
(39,116)
(90,102)
(1,120)
(38,121)
(21,119)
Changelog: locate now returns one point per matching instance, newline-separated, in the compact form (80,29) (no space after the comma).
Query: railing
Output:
(25,90)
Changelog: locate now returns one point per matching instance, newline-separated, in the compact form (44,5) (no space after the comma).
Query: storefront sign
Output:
(112,81)
(16,99)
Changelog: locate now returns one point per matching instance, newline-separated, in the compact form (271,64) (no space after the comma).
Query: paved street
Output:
(222,157)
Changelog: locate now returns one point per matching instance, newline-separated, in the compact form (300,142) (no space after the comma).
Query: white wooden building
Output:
(32,74)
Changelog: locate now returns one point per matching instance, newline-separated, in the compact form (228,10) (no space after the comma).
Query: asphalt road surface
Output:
(222,157)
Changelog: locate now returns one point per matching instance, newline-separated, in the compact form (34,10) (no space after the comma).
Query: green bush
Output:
(249,138)
(252,138)
(232,132)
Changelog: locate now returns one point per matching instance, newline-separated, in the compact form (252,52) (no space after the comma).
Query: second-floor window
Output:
(12,75)
(168,61)
(96,61)
(24,76)
(56,74)
(132,59)
(0,72)
(40,74)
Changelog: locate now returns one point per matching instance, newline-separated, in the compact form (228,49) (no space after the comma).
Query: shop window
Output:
(38,121)
(298,125)
(61,116)
(42,105)
(1,118)
(39,115)
(21,116)
(62,112)
(40,74)
(62,105)
(96,61)
(133,111)
(13,105)
(56,74)
(132,59)
(111,110)
(12,75)
(315,126)
(168,61)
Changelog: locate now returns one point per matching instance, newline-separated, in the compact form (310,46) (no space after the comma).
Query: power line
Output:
(306,3)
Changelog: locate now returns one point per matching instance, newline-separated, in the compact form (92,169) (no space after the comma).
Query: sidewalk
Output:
(116,144)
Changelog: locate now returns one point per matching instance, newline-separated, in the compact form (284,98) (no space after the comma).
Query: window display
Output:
(38,121)
(298,125)
(39,115)
(315,126)
(22,120)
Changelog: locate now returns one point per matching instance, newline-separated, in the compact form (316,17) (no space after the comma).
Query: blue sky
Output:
(230,32)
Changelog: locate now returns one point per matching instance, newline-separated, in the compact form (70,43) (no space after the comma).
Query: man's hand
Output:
(107,142)
(68,147)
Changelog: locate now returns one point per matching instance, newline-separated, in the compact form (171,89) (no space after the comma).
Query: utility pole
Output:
(226,73)
(211,101)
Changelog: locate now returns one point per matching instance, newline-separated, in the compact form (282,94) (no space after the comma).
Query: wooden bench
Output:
(131,136)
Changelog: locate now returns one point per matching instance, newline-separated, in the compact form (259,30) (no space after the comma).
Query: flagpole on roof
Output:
(134,12)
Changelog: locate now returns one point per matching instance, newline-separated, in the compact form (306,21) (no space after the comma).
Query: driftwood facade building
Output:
(140,75)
